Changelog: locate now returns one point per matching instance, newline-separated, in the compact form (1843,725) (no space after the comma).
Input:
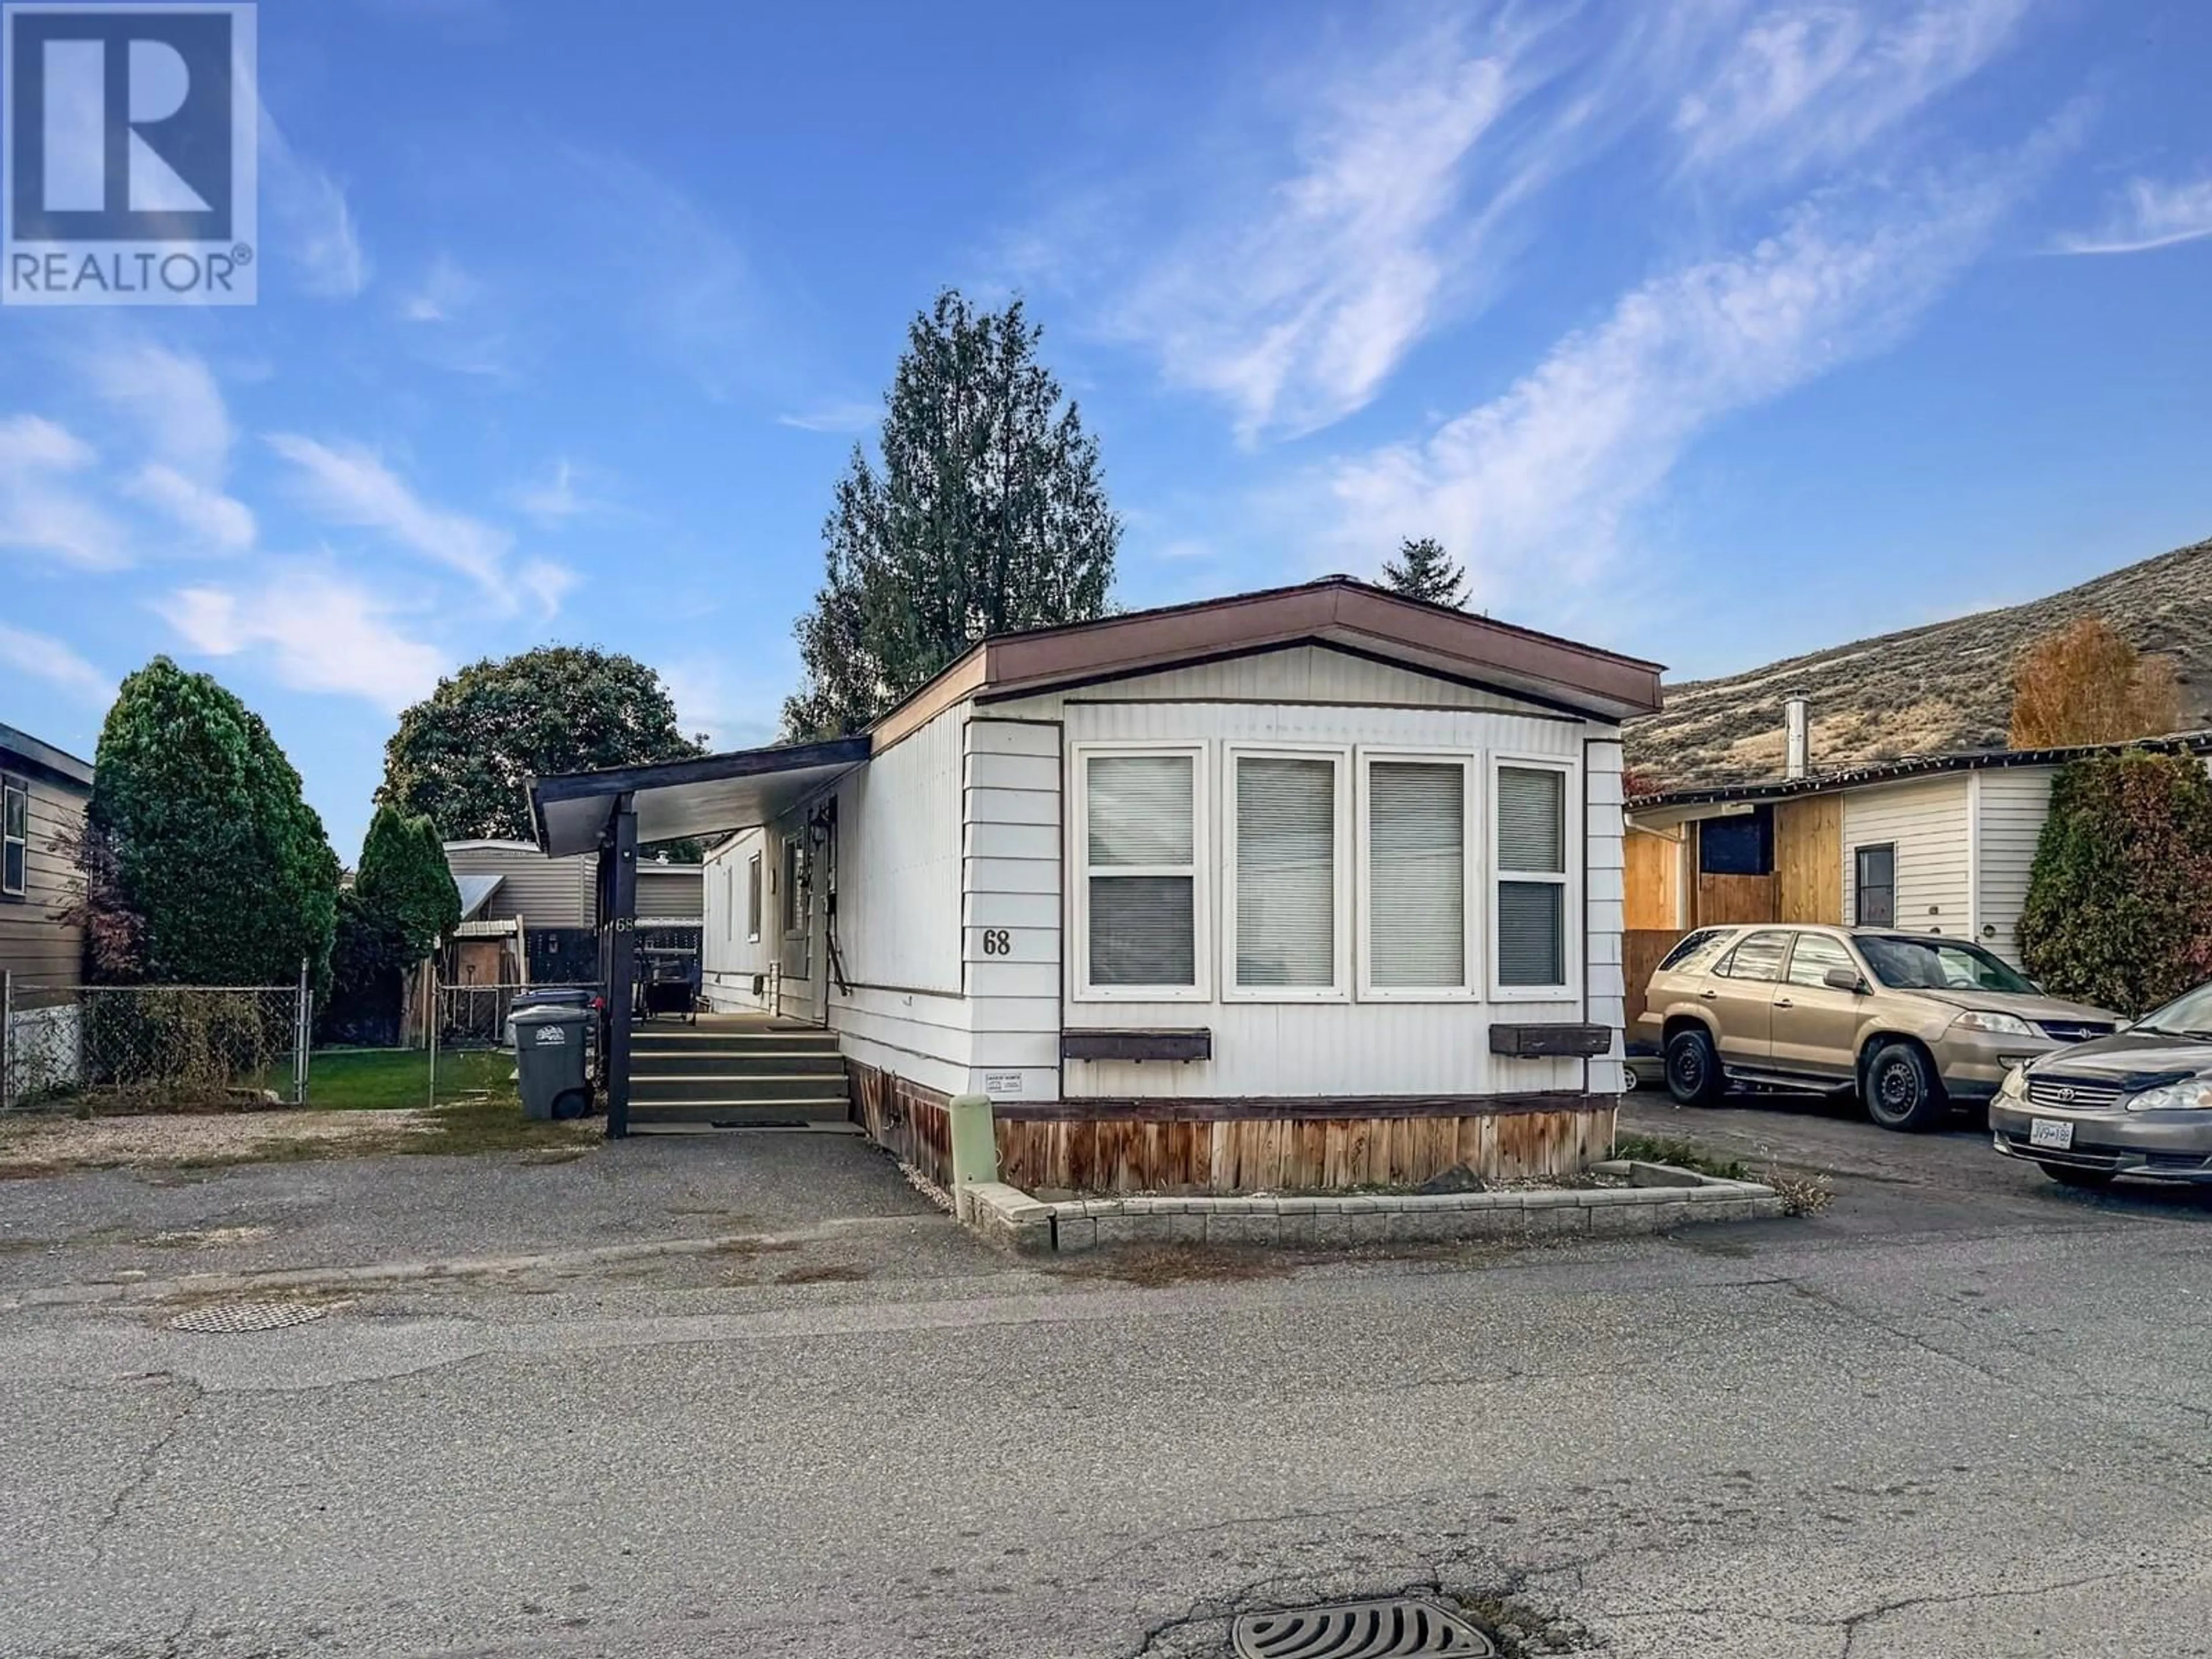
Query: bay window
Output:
(1530,827)
(1287,910)
(1141,840)
(1415,841)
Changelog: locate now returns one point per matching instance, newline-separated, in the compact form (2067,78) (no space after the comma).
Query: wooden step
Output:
(739,1114)
(661,1089)
(736,1063)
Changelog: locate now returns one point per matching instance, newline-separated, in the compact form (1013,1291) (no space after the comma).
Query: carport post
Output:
(621,962)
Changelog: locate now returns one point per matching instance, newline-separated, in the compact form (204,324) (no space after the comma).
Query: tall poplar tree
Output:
(984,513)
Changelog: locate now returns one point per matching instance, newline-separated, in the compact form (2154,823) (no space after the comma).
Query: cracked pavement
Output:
(1960,1415)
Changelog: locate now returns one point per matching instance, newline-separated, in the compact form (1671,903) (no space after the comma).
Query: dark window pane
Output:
(1142,931)
(1532,947)
(1739,846)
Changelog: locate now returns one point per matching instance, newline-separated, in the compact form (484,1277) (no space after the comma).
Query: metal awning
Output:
(675,800)
(476,892)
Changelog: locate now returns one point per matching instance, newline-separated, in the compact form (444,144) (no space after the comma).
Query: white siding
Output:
(728,958)
(1010,887)
(1299,674)
(1604,905)
(2014,800)
(1344,1048)
(1926,819)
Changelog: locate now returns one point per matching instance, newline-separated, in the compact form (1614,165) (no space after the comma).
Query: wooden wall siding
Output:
(1290,1155)
(1809,860)
(913,1123)
(1927,819)
(1718,901)
(2015,801)
(34,944)
(1641,950)
(1010,886)
(1654,867)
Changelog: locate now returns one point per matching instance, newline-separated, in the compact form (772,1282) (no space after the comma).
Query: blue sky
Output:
(1711,331)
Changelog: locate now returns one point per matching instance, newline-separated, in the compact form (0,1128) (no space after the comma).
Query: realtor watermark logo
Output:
(127,155)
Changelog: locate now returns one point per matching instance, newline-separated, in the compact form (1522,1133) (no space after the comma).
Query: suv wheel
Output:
(1901,1090)
(1693,1069)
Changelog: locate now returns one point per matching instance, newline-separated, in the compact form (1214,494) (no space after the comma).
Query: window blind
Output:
(1140,820)
(1416,874)
(1140,809)
(1285,872)
(1531,933)
(1532,820)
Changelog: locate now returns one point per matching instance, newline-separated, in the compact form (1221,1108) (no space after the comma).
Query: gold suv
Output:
(1911,1022)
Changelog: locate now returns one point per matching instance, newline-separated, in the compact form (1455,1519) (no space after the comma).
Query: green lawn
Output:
(367,1079)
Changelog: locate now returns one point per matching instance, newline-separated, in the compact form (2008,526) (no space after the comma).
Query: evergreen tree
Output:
(207,844)
(985,513)
(463,756)
(1422,570)
(402,902)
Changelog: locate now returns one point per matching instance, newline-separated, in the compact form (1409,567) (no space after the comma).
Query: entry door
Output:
(1741,990)
(1816,1026)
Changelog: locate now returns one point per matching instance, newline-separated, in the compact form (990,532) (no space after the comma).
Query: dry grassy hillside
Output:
(1928,689)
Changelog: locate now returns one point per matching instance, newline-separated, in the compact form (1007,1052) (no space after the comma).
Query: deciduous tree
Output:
(2086,683)
(463,756)
(984,512)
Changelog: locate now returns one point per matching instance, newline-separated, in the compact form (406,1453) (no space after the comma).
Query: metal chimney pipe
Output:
(1797,737)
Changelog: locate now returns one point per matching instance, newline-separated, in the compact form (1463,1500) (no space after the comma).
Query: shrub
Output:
(2086,683)
(2119,904)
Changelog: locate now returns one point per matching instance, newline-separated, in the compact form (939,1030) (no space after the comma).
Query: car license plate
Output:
(2050,1132)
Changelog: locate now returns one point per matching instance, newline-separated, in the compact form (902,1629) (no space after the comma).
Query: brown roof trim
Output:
(1916,766)
(1336,609)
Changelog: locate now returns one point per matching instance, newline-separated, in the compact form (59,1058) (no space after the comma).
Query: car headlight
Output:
(2016,1083)
(2194,1095)
(1997,1024)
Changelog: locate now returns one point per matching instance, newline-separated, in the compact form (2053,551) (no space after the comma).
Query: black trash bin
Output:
(549,1060)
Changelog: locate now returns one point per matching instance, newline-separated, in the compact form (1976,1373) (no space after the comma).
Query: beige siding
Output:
(34,944)
(2013,802)
(1926,819)
(539,891)
(670,891)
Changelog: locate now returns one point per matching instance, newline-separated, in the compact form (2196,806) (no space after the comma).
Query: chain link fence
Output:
(153,1048)
(475,1016)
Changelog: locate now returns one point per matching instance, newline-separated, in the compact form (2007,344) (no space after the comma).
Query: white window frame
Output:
(18,789)
(1340,987)
(756,897)
(1200,872)
(1574,855)
(791,916)
(1471,852)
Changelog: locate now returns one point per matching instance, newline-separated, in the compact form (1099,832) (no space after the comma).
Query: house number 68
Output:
(997,942)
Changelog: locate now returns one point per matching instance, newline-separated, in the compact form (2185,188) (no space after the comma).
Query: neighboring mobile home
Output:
(1316,886)
(528,919)
(1928,844)
(43,795)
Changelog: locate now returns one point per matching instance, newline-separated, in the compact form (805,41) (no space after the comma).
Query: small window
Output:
(1815,955)
(1417,883)
(1288,909)
(1740,845)
(1530,824)
(1876,890)
(14,836)
(1140,848)
(1759,957)
(753,898)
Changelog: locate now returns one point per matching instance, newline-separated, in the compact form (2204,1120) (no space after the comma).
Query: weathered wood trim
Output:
(1549,1040)
(1315,1108)
(1177,1043)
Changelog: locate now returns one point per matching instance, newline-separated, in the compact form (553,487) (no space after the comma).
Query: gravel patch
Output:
(44,1144)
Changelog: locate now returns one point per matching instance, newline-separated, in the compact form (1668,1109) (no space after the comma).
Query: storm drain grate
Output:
(236,1318)
(1359,1630)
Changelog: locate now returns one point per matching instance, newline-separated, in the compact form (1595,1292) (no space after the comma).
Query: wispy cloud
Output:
(174,400)
(851,417)
(732,712)
(1535,485)
(554,499)
(1806,84)
(50,659)
(444,292)
(314,629)
(2150,215)
(311,222)
(43,507)
(351,486)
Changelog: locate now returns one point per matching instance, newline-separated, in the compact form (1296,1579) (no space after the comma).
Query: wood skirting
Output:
(1296,1108)
(913,1123)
